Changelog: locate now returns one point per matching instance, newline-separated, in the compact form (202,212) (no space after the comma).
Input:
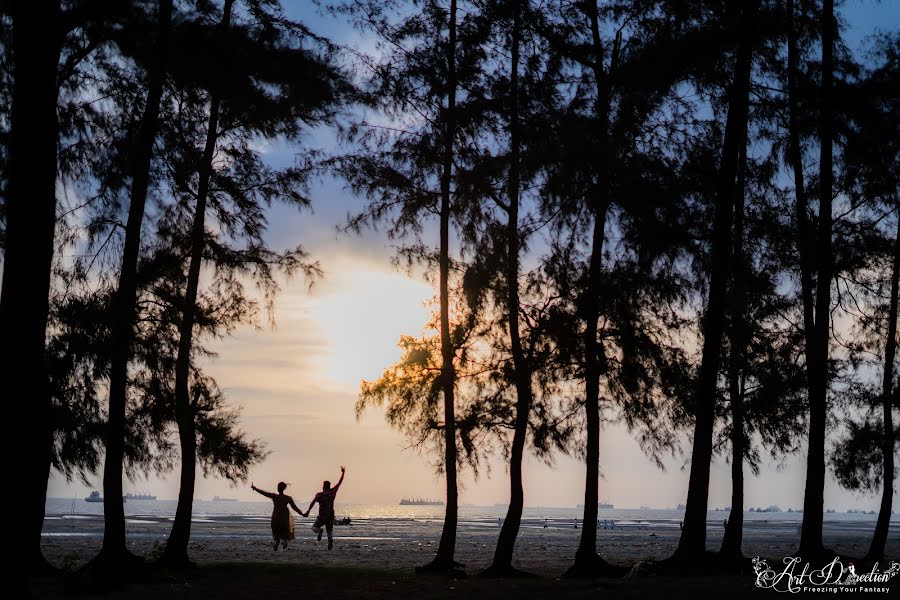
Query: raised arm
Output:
(263,492)
(340,481)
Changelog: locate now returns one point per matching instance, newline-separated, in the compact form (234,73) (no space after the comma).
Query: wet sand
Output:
(396,544)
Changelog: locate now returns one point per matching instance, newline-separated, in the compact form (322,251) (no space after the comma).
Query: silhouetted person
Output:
(325,498)
(282,520)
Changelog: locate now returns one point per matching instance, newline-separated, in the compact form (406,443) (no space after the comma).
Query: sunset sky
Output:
(297,382)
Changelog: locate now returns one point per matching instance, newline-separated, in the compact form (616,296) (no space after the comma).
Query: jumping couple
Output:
(283,520)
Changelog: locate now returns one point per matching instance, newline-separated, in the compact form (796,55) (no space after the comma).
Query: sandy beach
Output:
(399,544)
(376,555)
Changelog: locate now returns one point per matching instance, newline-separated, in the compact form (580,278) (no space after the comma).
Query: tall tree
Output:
(114,552)
(731,541)
(612,181)
(817,353)
(511,16)
(870,161)
(879,539)
(692,544)
(264,86)
(409,165)
(887,173)
(763,390)
(509,531)
(586,558)
(185,406)
(447,546)
(30,206)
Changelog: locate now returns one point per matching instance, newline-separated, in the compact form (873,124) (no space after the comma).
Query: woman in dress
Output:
(282,519)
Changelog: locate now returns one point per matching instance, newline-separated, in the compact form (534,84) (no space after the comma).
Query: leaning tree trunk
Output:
(731,542)
(114,552)
(506,543)
(443,560)
(817,356)
(176,552)
(879,539)
(27,263)
(692,544)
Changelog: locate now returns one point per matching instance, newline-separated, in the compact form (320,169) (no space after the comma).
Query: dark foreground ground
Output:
(273,581)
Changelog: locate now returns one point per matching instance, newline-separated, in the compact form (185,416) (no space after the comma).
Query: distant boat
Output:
(420,502)
(682,507)
(218,499)
(94,497)
(601,504)
(139,497)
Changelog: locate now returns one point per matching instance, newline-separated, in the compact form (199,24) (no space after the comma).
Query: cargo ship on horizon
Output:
(148,497)
(420,502)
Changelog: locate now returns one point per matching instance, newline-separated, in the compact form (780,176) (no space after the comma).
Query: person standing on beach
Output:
(325,519)
(282,519)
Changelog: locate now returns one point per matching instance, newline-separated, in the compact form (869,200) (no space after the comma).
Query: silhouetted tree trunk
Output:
(879,539)
(24,304)
(185,410)
(817,355)
(795,157)
(506,543)
(446,548)
(114,551)
(587,562)
(731,542)
(692,544)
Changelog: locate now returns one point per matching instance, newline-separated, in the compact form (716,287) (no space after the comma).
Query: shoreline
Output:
(401,544)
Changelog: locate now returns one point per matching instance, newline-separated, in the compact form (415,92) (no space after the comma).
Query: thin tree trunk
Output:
(876,550)
(692,544)
(24,303)
(587,562)
(734,531)
(443,561)
(114,551)
(817,356)
(176,552)
(815,373)
(795,156)
(503,554)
